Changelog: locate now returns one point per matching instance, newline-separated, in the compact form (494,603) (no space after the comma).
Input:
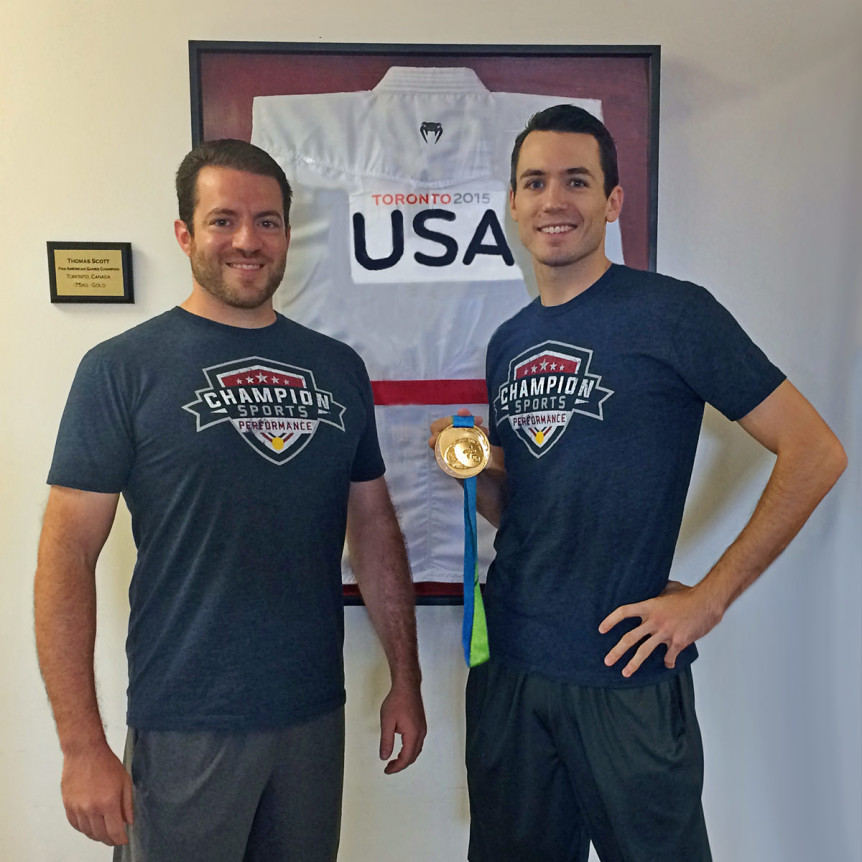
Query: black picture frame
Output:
(225,77)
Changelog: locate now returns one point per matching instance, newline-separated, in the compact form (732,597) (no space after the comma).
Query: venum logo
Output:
(435,129)
(546,386)
(275,408)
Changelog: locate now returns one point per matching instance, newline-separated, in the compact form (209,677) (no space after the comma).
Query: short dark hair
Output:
(226,153)
(569,118)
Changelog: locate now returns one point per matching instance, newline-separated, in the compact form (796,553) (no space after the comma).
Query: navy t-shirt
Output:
(597,404)
(234,449)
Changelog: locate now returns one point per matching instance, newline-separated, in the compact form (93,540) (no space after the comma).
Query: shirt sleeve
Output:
(718,360)
(491,426)
(94,450)
(368,462)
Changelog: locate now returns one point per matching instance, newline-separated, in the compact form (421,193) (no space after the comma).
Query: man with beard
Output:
(245,447)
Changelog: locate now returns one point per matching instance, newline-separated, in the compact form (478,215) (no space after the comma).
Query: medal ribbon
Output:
(474,635)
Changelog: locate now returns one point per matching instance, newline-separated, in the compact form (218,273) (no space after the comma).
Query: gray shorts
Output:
(552,766)
(263,796)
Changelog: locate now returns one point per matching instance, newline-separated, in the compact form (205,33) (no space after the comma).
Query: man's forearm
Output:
(491,494)
(65,613)
(75,527)
(97,790)
(388,594)
(800,479)
(380,563)
(379,560)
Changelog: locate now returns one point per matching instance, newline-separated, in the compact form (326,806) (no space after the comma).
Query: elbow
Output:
(832,460)
(818,460)
(839,459)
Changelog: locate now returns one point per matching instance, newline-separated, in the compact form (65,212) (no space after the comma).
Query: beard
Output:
(210,275)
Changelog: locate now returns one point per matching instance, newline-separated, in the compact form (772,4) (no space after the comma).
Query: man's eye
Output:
(220,222)
(269,224)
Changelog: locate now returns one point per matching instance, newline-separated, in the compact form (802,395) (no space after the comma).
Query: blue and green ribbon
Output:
(474,634)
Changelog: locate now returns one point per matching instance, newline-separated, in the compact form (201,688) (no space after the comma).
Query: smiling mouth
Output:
(247,267)
(556,228)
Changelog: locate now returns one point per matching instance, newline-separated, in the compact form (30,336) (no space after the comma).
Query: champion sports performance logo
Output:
(275,408)
(547,385)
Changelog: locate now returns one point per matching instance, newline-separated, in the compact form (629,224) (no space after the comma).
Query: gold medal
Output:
(462,452)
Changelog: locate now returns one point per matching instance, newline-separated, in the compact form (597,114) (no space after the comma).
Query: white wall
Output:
(759,199)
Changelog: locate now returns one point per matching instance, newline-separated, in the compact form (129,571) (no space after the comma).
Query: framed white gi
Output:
(401,241)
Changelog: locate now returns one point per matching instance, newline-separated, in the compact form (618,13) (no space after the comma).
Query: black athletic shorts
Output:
(552,766)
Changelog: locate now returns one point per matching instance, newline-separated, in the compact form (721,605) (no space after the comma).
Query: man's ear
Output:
(615,204)
(183,235)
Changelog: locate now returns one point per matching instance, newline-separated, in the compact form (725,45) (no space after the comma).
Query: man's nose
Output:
(246,237)
(553,197)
